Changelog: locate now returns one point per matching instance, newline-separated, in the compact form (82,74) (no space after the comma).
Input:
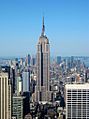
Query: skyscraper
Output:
(18,84)
(28,58)
(19,107)
(87,75)
(26,81)
(77,101)
(42,91)
(58,59)
(5,96)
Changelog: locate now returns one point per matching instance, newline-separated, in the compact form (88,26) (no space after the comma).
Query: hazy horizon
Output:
(66,26)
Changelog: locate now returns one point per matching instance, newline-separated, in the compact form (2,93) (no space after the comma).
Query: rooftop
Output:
(77,86)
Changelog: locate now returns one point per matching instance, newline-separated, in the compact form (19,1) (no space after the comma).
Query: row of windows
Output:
(69,94)
(78,90)
(78,109)
(78,93)
(78,97)
(78,101)
(78,105)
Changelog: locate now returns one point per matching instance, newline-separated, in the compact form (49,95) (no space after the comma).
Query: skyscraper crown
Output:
(43,37)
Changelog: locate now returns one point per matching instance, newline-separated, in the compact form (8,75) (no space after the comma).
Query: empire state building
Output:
(42,91)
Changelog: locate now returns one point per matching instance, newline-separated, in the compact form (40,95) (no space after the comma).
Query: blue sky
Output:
(66,26)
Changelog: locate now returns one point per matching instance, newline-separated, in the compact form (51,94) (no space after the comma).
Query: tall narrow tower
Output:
(5,96)
(42,92)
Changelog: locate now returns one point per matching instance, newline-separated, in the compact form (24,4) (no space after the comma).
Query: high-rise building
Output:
(6,69)
(13,78)
(18,83)
(42,92)
(18,111)
(28,58)
(77,101)
(33,61)
(87,75)
(58,59)
(5,96)
(26,81)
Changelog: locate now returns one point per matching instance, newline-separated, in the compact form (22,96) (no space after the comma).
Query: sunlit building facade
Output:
(5,96)
(42,92)
(77,101)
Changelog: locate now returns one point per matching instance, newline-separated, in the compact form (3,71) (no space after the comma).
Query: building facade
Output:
(18,83)
(42,92)
(58,59)
(77,101)
(5,96)
(26,81)
(87,75)
(18,107)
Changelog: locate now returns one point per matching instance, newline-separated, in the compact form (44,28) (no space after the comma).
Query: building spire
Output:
(43,27)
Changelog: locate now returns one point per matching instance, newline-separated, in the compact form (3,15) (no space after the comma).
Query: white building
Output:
(26,81)
(18,85)
(5,96)
(77,101)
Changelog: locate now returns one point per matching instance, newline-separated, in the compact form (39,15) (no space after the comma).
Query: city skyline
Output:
(67,27)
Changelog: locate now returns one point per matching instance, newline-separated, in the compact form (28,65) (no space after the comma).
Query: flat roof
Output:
(77,86)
